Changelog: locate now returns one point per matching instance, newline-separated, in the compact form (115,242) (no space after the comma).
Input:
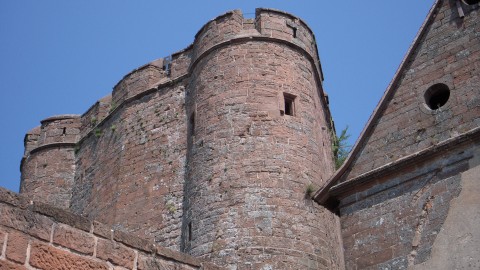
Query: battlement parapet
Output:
(95,114)
(140,79)
(271,24)
(59,129)
(30,140)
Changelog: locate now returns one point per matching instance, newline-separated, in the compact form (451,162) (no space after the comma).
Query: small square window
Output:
(289,101)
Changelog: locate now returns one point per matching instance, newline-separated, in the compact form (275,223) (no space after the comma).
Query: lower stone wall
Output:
(421,217)
(39,236)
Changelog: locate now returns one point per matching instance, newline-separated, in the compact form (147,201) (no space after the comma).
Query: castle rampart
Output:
(217,150)
(234,118)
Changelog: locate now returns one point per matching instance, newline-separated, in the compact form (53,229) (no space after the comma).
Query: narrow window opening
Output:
(190,231)
(437,96)
(64,131)
(294,28)
(289,101)
(192,124)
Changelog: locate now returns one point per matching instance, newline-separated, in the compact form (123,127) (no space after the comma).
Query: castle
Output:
(221,157)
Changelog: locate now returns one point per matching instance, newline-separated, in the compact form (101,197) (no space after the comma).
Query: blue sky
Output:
(59,57)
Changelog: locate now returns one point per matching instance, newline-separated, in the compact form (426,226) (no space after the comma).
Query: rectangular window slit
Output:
(289,101)
(190,231)
(192,124)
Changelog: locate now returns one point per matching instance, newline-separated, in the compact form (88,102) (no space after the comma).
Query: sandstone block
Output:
(43,256)
(115,253)
(17,247)
(6,265)
(74,239)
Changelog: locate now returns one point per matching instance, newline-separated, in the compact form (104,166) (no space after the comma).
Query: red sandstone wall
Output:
(394,224)
(48,166)
(409,213)
(130,169)
(449,53)
(249,167)
(131,152)
(40,236)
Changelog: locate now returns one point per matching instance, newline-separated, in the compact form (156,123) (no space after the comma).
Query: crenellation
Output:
(180,63)
(30,140)
(59,129)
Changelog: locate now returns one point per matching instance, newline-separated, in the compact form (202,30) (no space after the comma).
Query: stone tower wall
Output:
(130,165)
(250,164)
(48,165)
(234,130)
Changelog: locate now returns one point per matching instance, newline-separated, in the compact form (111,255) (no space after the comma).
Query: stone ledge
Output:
(62,216)
(27,213)
(60,117)
(53,145)
(392,167)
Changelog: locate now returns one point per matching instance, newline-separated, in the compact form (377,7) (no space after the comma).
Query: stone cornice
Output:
(393,167)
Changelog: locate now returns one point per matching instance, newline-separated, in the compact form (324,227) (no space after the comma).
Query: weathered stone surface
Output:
(458,242)
(63,216)
(5,265)
(102,230)
(71,247)
(146,262)
(17,247)
(74,239)
(115,253)
(47,257)
(26,221)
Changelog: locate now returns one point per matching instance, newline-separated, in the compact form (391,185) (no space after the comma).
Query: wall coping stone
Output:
(59,117)
(93,227)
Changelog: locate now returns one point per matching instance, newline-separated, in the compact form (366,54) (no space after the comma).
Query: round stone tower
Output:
(48,165)
(259,142)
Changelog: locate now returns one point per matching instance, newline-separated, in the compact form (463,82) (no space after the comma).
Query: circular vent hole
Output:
(471,2)
(437,95)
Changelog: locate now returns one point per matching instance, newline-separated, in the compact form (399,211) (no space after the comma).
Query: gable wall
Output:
(449,53)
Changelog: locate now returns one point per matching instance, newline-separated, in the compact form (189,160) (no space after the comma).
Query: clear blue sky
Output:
(59,57)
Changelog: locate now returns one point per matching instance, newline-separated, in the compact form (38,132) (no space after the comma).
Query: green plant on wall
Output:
(113,106)
(93,120)
(171,208)
(77,148)
(309,190)
(98,132)
(340,147)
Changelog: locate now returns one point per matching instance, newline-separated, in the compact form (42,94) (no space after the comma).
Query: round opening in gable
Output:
(471,2)
(436,96)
